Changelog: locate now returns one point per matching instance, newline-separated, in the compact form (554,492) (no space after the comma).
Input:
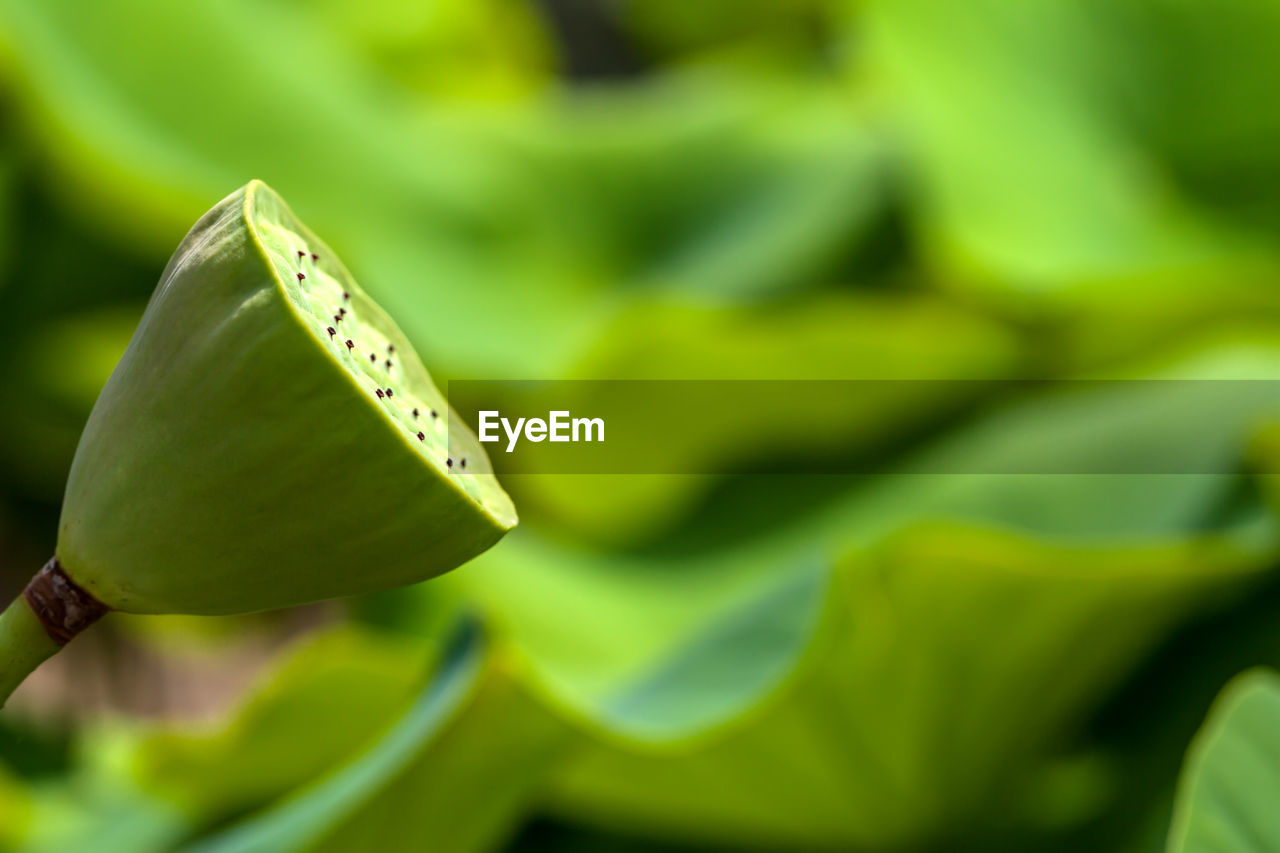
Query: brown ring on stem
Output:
(64,609)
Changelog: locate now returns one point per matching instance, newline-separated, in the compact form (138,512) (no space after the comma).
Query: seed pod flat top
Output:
(269,438)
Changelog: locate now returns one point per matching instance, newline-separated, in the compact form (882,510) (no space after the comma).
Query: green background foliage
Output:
(656,189)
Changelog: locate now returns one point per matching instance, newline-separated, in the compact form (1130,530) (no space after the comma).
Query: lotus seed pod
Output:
(258,445)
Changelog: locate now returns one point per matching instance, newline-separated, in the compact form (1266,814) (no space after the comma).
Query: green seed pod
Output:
(258,446)
(269,438)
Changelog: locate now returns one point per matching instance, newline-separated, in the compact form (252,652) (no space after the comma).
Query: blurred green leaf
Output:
(706,185)
(309,713)
(1231,781)
(488,50)
(915,344)
(935,702)
(1188,413)
(1191,86)
(95,813)
(15,810)
(726,668)
(1029,188)
(630,603)
(463,765)
(450,773)
(996,580)
(630,613)
(145,787)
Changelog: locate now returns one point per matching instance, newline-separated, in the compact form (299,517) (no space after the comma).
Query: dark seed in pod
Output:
(349,344)
(388,364)
(390,349)
(337,318)
(332,331)
(346,295)
(421,437)
(314,256)
(301,254)
(372,358)
(415,413)
(389,394)
(462,463)
(379,393)
(342,312)
(434,413)
(301,276)
(449,462)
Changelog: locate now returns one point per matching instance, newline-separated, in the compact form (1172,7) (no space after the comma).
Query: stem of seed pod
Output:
(37,624)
